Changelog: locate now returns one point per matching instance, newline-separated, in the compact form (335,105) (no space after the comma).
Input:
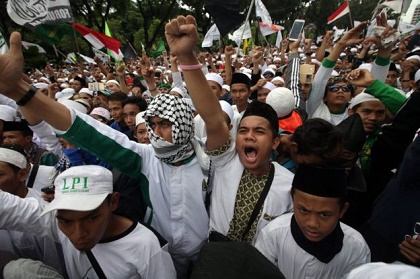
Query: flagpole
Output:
(243,30)
(132,48)
(351,20)
(75,40)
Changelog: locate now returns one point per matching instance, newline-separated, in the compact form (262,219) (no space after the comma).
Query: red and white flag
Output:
(97,39)
(341,11)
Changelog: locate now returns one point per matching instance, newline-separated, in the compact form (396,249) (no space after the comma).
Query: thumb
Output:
(15,45)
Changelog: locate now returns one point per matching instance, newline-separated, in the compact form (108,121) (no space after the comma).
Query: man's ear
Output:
(22,174)
(344,209)
(276,142)
(115,200)
(350,111)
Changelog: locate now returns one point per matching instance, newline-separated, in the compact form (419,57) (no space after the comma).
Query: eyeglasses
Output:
(335,88)
(268,76)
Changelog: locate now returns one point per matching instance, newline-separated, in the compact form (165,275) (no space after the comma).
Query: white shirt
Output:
(278,245)
(136,254)
(26,245)
(225,182)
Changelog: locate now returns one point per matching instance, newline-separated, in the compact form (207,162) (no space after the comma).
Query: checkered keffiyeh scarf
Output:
(177,111)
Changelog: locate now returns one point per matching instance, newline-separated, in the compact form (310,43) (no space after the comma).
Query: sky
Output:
(407,17)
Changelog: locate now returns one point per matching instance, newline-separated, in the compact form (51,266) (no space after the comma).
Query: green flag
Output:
(54,33)
(117,56)
(159,49)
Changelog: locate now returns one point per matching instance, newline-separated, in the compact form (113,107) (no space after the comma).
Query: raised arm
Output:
(181,35)
(13,85)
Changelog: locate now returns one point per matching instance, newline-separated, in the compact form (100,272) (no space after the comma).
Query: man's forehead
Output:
(238,85)
(376,105)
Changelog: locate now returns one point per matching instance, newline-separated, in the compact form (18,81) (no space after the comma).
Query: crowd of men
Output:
(307,153)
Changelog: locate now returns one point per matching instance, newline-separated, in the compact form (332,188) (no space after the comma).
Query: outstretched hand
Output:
(182,37)
(352,37)
(11,66)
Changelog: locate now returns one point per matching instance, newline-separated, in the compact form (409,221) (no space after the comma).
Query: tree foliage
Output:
(142,22)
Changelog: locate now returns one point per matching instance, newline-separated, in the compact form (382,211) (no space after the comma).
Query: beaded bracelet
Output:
(28,96)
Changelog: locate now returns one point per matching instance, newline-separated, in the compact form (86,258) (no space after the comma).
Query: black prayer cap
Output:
(241,78)
(264,110)
(81,80)
(320,181)
(16,126)
(393,67)
(354,135)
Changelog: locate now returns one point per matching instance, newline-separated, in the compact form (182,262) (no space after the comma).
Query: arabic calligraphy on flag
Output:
(31,13)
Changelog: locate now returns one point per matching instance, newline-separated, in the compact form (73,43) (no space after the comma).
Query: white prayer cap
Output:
(281,99)
(7,113)
(366,66)
(74,105)
(103,112)
(44,79)
(178,90)
(139,118)
(66,93)
(64,85)
(112,81)
(268,85)
(227,87)
(215,77)
(277,79)
(381,270)
(417,76)
(40,85)
(86,90)
(414,57)
(226,107)
(29,269)
(334,73)
(269,71)
(361,98)
(13,157)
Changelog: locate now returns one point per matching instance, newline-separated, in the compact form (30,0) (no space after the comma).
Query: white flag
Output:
(88,59)
(101,55)
(237,35)
(27,45)
(212,35)
(279,39)
(266,22)
(396,5)
(34,13)
(71,58)
(405,28)
(3,45)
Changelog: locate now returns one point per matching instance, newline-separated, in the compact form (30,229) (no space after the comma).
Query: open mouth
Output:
(250,152)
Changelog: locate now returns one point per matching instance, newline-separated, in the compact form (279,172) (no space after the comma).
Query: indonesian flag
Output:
(97,39)
(341,11)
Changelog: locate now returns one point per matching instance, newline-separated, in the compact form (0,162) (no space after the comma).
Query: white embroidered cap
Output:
(103,112)
(13,157)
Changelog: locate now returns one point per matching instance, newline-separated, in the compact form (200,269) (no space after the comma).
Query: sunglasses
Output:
(335,88)
(268,76)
